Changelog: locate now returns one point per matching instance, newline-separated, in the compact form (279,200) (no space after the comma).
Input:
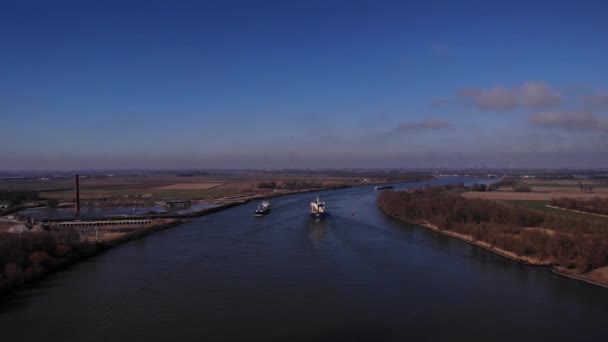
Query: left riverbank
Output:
(31,256)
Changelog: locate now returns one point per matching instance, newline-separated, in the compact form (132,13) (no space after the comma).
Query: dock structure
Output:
(102,223)
(178,203)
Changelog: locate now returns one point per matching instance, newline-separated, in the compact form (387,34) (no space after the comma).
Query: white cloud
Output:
(571,121)
(532,95)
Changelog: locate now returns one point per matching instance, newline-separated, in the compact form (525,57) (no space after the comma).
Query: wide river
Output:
(358,276)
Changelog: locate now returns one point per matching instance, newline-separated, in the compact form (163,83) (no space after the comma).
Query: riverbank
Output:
(56,255)
(594,279)
(28,271)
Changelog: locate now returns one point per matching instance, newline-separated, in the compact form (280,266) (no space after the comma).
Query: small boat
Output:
(382,187)
(263,209)
(317,210)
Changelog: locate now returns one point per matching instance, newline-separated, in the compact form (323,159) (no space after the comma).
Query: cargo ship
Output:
(317,210)
(263,209)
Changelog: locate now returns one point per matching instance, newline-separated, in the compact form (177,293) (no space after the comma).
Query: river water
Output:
(358,276)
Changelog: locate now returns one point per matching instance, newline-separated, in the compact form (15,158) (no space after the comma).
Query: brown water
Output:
(358,276)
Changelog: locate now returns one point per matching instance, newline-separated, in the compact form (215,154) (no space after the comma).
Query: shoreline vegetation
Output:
(572,248)
(29,257)
(593,206)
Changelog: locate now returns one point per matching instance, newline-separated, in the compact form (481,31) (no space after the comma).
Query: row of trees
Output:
(406,177)
(517,186)
(300,185)
(18,196)
(596,205)
(482,187)
(563,240)
(585,187)
(290,185)
(28,256)
(267,185)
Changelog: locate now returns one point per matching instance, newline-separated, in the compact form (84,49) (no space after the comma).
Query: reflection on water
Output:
(316,232)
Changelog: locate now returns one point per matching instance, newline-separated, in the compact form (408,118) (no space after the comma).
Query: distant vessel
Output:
(382,187)
(317,210)
(263,209)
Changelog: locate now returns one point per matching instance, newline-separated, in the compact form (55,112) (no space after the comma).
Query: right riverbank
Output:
(597,277)
(569,247)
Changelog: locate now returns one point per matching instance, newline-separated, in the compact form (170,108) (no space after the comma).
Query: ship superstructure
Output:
(263,209)
(318,210)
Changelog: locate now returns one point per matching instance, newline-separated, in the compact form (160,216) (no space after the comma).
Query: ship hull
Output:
(318,216)
(262,212)
(384,187)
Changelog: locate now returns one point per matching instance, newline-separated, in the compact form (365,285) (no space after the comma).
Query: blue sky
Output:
(273,84)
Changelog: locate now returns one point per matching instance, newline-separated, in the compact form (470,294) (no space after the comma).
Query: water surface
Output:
(359,276)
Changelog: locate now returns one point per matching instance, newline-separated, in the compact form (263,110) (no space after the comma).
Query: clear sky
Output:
(279,84)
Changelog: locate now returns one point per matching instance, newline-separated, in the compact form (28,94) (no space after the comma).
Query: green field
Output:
(555,185)
(542,206)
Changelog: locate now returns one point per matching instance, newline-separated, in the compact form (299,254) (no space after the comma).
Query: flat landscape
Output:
(189,186)
(545,191)
(169,186)
(149,188)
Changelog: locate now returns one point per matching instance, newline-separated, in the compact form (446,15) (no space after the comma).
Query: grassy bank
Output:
(545,207)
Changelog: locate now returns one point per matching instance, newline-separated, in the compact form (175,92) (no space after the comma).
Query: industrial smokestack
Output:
(77,199)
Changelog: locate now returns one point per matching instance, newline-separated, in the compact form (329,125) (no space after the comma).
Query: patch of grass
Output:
(458,191)
(542,206)
(558,185)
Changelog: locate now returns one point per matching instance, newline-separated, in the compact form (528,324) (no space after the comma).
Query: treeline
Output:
(267,185)
(28,256)
(291,185)
(585,187)
(517,186)
(300,185)
(596,205)
(408,177)
(566,241)
(18,196)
